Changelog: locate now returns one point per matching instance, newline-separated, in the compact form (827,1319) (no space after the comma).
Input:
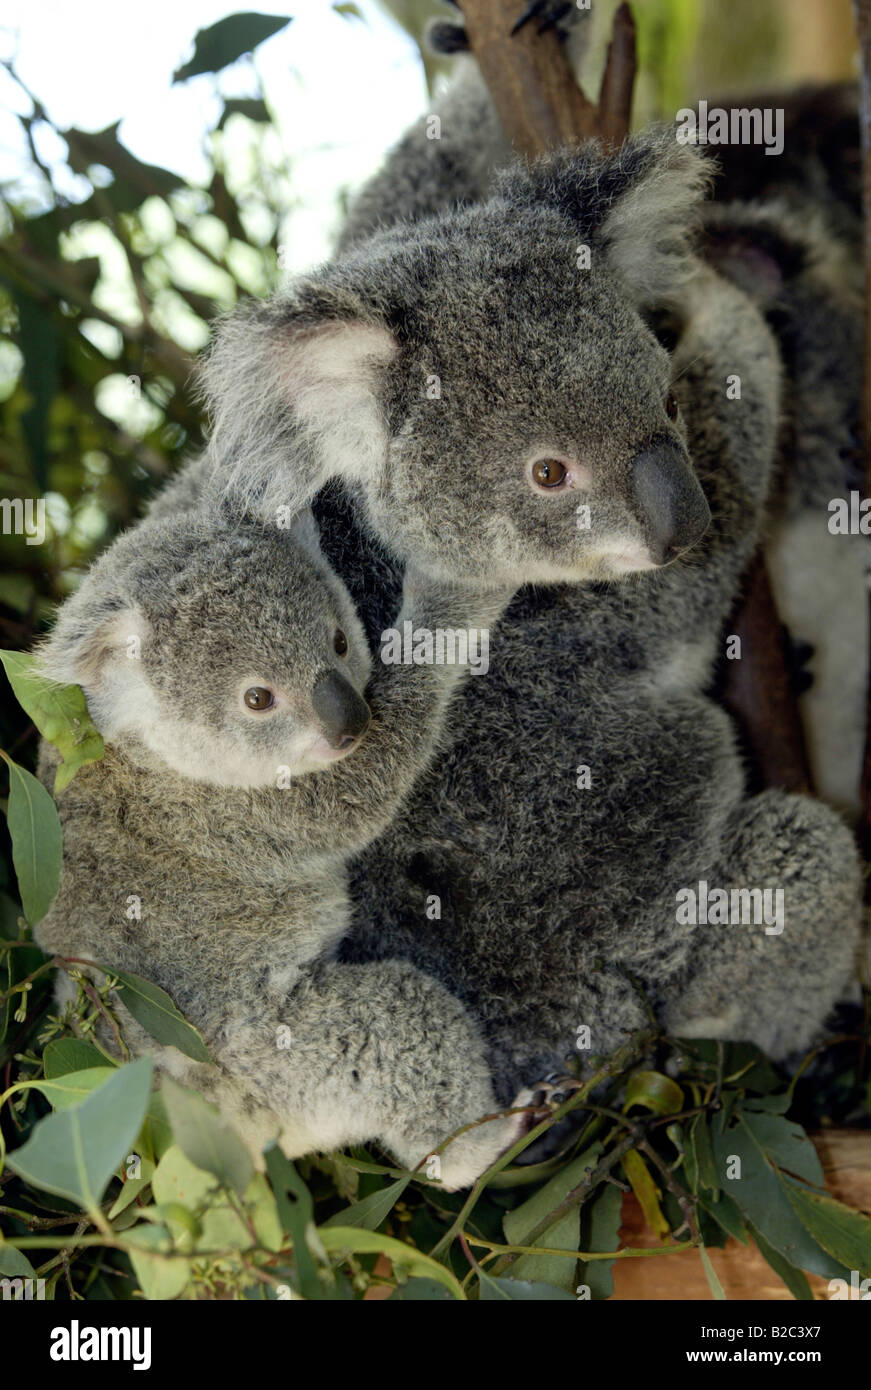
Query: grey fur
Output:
(243,887)
(551,893)
(333,377)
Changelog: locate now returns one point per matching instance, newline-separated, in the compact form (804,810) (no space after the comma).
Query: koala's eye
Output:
(259,697)
(671,406)
(340,642)
(548,473)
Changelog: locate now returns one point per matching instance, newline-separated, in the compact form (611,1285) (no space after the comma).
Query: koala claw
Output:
(546,1095)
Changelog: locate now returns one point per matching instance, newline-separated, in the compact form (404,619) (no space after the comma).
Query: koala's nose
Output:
(669,501)
(343,713)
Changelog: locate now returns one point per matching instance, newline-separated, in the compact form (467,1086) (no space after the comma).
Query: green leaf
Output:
(14,1264)
(341,1240)
(726,1214)
(370,1211)
(66,1055)
(264,1213)
(494,1290)
(653,1091)
(845,1234)
(600,1230)
(222,43)
(711,1275)
(73,1086)
(37,842)
(793,1278)
(152,1007)
(785,1143)
(348,10)
(75,1151)
(205,1137)
(177,1179)
(700,1141)
(296,1213)
(760,1195)
(133,1188)
(563,1234)
(59,713)
(161,1276)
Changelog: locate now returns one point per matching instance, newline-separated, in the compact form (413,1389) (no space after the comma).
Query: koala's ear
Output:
(292,389)
(638,208)
(90,629)
(761,248)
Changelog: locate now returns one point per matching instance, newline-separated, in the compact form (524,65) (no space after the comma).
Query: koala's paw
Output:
(548,1094)
(466,1158)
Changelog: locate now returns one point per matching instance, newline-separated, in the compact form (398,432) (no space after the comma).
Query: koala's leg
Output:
(363,1052)
(774,989)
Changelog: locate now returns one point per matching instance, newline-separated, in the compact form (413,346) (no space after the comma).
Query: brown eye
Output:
(259,697)
(340,642)
(671,406)
(549,472)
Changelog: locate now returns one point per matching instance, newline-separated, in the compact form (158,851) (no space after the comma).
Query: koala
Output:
(472,394)
(805,277)
(788,230)
(250,751)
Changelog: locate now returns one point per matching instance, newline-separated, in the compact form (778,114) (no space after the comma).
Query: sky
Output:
(343,90)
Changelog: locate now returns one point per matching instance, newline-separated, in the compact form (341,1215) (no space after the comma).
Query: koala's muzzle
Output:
(669,502)
(343,713)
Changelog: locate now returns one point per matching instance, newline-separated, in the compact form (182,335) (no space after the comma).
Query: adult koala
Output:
(491,403)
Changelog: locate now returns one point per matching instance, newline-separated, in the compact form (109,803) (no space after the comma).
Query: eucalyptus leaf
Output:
(844,1233)
(152,1007)
(75,1151)
(59,713)
(37,842)
(793,1278)
(653,1091)
(760,1194)
(229,39)
(600,1230)
(205,1137)
(66,1055)
(296,1214)
(371,1211)
(563,1234)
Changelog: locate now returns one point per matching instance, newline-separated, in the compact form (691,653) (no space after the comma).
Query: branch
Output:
(539,103)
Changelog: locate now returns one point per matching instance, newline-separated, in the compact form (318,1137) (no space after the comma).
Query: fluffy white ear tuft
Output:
(85,638)
(293,403)
(649,231)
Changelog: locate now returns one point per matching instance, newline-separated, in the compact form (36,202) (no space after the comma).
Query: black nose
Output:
(670,504)
(343,713)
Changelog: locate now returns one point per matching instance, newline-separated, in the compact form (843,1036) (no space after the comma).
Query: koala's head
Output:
(232,654)
(486,379)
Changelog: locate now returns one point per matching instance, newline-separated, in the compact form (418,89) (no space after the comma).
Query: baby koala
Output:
(250,751)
